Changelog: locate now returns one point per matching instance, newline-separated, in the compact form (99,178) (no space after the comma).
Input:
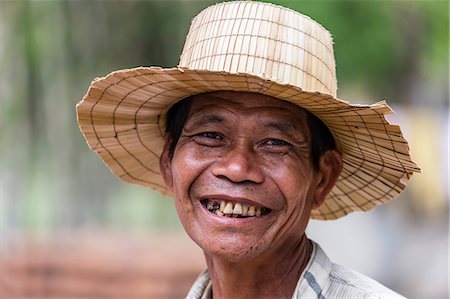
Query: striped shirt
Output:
(321,279)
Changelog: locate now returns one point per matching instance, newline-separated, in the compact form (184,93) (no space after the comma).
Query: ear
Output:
(330,167)
(165,165)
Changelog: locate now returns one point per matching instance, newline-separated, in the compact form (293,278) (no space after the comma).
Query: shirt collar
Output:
(315,275)
(310,285)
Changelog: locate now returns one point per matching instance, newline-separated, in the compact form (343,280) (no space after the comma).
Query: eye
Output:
(211,135)
(211,139)
(275,146)
(276,142)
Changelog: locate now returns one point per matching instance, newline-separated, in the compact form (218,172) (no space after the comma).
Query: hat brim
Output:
(122,117)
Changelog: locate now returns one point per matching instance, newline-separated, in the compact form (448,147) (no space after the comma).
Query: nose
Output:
(239,165)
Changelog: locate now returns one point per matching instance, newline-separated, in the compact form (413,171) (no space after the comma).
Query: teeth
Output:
(237,209)
(228,208)
(223,203)
(244,209)
(231,209)
(251,211)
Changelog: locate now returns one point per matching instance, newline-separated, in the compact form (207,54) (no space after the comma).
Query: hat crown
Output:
(262,39)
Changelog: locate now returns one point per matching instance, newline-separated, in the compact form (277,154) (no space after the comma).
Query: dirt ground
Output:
(89,266)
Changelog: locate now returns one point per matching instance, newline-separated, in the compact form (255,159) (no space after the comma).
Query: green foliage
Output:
(383,44)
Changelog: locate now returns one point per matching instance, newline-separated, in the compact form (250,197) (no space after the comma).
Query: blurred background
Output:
(70,229)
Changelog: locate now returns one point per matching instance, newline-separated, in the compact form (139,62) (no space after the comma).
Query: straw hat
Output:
(253,47)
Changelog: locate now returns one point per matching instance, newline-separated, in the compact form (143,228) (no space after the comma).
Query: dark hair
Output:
(176,118)
(321,138)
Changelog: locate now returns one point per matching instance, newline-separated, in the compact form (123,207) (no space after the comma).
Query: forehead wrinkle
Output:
(283,127)
(284,117)
(205,119)
(207,114)
(293,125)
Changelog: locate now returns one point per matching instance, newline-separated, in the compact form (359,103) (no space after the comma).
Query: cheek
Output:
(187,166)
(298,191)
(295,181)
(292,176)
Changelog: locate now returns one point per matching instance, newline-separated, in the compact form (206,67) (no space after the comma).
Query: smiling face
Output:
(241,175)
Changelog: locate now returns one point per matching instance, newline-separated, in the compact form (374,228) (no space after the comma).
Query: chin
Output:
(232,250)
(231,255)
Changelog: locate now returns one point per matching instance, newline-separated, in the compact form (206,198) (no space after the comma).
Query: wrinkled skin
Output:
(254,148)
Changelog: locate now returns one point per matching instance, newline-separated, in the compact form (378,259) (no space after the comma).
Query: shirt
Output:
(321,279)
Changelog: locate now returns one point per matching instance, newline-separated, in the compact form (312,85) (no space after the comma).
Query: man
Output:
(248,136)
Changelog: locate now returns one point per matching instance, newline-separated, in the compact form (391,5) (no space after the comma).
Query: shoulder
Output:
(346,283)
(323,279)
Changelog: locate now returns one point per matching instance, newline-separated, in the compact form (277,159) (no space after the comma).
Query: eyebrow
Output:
(291,131)
(203,120)
(285,127)
(282,127)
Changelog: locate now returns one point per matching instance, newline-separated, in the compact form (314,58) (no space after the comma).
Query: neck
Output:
(274,275)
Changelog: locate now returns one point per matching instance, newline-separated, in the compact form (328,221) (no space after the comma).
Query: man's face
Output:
(242,152)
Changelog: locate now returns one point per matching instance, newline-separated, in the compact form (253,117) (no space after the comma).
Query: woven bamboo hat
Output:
(252,47)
